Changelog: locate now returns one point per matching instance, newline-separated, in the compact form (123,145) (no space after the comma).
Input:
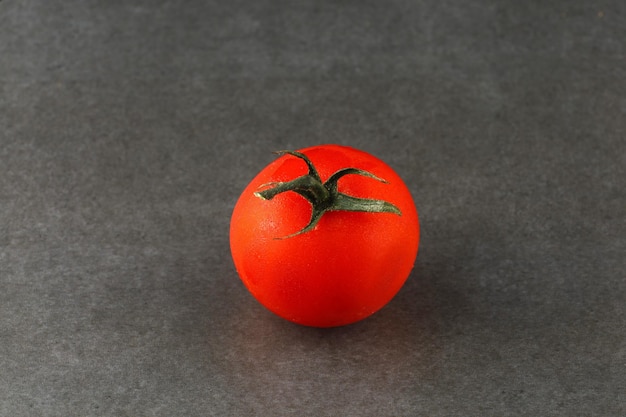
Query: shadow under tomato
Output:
(269,356)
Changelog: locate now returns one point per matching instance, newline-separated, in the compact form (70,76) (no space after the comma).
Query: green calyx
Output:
(324,196)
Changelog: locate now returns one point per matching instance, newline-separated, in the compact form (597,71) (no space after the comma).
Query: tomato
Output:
(325,236)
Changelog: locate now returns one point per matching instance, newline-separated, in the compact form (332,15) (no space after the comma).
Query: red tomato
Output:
(322,245)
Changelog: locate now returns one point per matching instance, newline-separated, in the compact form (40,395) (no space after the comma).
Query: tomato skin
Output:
(345,269)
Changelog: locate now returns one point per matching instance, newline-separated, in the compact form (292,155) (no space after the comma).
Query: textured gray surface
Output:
(128,129)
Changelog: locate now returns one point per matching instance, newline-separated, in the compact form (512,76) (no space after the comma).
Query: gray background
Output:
(129,128)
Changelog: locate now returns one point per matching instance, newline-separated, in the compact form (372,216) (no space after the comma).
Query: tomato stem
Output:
(324,196)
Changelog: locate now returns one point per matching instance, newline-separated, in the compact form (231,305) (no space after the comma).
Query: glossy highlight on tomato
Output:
(325,236)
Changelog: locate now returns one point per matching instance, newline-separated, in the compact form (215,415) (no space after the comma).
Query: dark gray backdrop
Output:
(129,128)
